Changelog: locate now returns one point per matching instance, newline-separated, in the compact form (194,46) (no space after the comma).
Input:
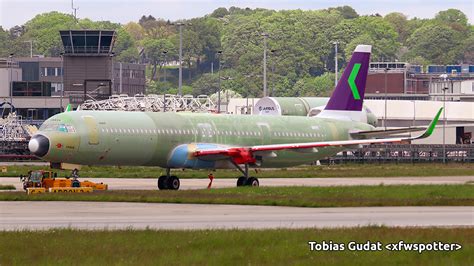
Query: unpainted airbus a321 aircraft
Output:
(216,141)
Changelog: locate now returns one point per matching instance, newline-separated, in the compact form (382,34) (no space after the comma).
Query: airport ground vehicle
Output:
(48,179)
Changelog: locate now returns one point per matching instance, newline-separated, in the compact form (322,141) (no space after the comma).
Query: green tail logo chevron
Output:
(351,81)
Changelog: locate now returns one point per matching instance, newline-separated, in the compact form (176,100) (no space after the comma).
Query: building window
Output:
(50,71)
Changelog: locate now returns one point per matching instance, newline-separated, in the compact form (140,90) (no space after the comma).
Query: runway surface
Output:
(151,184)
(113,215)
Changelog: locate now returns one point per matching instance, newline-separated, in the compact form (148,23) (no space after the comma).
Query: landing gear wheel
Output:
(252,182)
(163,182)
(76,183)
(173,183)
(241,181)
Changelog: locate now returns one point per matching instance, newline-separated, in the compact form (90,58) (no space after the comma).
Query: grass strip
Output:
(342,196)
(7,187)
(229,247)
(345,170)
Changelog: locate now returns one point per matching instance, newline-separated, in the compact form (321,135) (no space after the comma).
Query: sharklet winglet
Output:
(432,125)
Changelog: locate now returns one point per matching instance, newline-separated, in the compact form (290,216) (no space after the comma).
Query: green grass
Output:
(228,247)
(346,170)
(7,187)
(344,196)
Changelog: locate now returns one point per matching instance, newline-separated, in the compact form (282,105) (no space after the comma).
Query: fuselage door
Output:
(265,132)
(92,132)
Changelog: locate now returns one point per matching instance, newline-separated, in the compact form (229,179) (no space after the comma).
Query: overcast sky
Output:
(17,12)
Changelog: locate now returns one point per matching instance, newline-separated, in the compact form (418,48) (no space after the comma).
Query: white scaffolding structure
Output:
(12,128)
(152,103)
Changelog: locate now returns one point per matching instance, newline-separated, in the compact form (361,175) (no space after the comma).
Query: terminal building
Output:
(43,86)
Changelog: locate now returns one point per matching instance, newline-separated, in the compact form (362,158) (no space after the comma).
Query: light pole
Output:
(273,71)
(31,47)
(444,124)
(180,82)
(112,71)
(226,95)
(11,78)
(265,36)
(164,55)
(445,78)
(164,95)
(385,115)
(62,83)
(335,62)
(219,54)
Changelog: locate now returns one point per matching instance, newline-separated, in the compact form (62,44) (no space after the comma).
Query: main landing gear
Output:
(245,180)
(168,182)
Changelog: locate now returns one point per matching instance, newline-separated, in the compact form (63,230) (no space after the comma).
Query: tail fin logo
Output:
(351,81)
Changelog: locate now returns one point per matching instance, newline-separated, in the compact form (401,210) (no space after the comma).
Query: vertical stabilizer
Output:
(349,92)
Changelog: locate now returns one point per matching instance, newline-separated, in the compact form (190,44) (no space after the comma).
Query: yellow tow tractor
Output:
(47,181)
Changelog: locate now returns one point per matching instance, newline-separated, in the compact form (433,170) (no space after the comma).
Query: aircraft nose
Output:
(39,145)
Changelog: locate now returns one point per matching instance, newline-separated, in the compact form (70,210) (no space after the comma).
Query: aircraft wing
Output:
(242,155)
(386,132)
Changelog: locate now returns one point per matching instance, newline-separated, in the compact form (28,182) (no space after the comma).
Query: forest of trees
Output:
(300,45)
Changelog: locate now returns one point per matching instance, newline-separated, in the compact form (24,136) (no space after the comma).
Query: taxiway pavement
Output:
(151,184)
(121,215)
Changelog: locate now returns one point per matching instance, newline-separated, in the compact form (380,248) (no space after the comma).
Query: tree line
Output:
(230,43)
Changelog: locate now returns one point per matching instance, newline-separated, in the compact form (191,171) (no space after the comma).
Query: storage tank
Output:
(294,106)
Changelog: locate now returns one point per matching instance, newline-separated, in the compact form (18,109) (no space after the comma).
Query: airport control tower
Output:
(88,60)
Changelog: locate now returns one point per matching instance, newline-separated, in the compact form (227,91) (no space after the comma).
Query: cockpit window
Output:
(58,127)
(62,128)
(48,127)
(70,129)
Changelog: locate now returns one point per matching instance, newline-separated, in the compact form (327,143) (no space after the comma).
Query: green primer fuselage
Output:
(148,139)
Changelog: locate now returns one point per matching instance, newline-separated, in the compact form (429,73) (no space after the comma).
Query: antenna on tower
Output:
(74,10)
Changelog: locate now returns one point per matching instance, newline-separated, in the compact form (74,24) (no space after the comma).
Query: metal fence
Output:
(407,153)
